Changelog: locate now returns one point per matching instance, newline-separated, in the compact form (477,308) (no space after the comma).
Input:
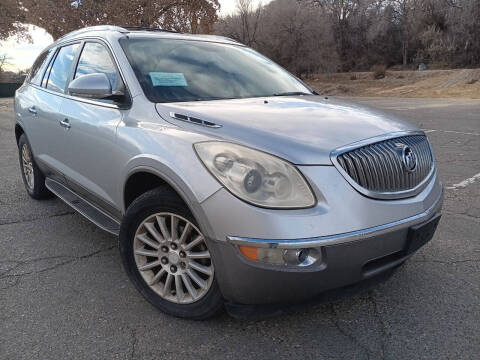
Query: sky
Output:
(22,54)
(228,6)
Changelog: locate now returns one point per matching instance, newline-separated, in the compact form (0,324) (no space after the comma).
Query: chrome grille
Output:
(379,168)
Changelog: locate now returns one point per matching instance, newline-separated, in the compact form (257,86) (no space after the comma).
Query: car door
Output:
(45,131)
(26,106)
(34,107)
(91,138)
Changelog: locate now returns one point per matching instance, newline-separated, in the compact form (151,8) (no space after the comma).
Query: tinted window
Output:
(60,71)
(96,59)
(179,70)
(39,66)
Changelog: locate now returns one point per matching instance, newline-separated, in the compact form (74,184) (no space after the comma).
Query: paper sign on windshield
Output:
(168,79)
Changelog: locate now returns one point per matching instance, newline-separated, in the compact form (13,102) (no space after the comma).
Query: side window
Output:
(38,67)
(62,65)
(96,59)
(47,70)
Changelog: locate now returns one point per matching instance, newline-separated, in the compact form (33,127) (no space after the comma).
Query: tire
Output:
(32,176)
(148,210)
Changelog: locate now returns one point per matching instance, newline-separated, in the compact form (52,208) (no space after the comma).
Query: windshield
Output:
(173,70)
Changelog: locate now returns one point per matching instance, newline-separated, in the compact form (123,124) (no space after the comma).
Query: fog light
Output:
(276,256)
(295,256)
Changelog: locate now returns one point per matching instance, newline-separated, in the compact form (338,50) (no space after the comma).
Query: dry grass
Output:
(463,83)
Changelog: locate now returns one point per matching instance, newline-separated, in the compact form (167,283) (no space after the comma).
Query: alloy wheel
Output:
(27,166)
(172,256)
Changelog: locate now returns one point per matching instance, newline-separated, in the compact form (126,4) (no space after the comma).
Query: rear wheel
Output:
(167,258)
(32,176)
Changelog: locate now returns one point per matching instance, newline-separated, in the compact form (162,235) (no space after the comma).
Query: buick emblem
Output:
(409,158)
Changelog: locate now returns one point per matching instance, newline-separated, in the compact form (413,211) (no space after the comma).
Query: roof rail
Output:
(94,28)
(122,29)
(143,28)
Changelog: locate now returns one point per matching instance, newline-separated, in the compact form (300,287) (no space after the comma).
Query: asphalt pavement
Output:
(64,294)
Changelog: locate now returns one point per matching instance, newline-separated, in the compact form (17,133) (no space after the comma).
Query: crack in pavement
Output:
(463,215)
(64,213)
(69,259)
(348,335)
(33,261)
(10,285)
(134,344)
(4,265)
(454,262)
(385,334)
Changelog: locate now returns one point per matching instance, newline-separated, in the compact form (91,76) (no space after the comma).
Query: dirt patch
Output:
(462,83)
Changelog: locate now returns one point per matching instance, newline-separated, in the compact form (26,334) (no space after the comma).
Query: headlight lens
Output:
(256,177)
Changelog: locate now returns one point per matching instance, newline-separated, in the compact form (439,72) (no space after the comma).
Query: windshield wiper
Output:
(213,98)
(291,93)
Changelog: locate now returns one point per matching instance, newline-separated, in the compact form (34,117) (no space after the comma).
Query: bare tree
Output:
(249,20)
(306,36)
(11,18)
(294,35)
(405,11)
(58,17)
(4,60)
(245,25)
(340,13)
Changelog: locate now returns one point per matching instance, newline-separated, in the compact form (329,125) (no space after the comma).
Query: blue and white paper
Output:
(168,79)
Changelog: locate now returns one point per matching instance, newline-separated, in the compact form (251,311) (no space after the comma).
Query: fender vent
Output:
(194,120)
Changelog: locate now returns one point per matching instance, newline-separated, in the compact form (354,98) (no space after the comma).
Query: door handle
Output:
(32,110)
(65,123)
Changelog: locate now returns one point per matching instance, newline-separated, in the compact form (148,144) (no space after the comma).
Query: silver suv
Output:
(227,179)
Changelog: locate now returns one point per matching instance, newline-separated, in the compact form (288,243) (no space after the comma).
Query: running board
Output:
(84,207)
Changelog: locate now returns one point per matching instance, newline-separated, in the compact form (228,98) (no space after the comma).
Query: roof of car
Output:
(144,31)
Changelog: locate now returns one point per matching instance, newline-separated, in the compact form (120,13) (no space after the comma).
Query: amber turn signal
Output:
(249,252)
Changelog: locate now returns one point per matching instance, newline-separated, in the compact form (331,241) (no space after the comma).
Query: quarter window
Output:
(60,71)
(96,59)
(39,66)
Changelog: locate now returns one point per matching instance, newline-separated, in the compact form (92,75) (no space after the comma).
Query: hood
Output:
(301,129)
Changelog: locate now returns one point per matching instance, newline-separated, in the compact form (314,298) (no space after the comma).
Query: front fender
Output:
(194,184)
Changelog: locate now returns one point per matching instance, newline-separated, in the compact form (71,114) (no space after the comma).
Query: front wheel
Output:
(167,258)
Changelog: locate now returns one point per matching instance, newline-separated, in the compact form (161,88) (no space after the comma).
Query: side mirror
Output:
(93,86)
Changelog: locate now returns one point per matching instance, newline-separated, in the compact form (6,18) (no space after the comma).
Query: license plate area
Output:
(421,234)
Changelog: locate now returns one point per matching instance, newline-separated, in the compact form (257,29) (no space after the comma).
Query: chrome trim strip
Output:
(376,139)
(341,238)
(376,194)
(79,99)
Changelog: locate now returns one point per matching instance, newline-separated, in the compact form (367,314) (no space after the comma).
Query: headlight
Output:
(256,177)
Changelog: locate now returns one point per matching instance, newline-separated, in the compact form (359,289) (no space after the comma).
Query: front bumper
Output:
(347,258)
